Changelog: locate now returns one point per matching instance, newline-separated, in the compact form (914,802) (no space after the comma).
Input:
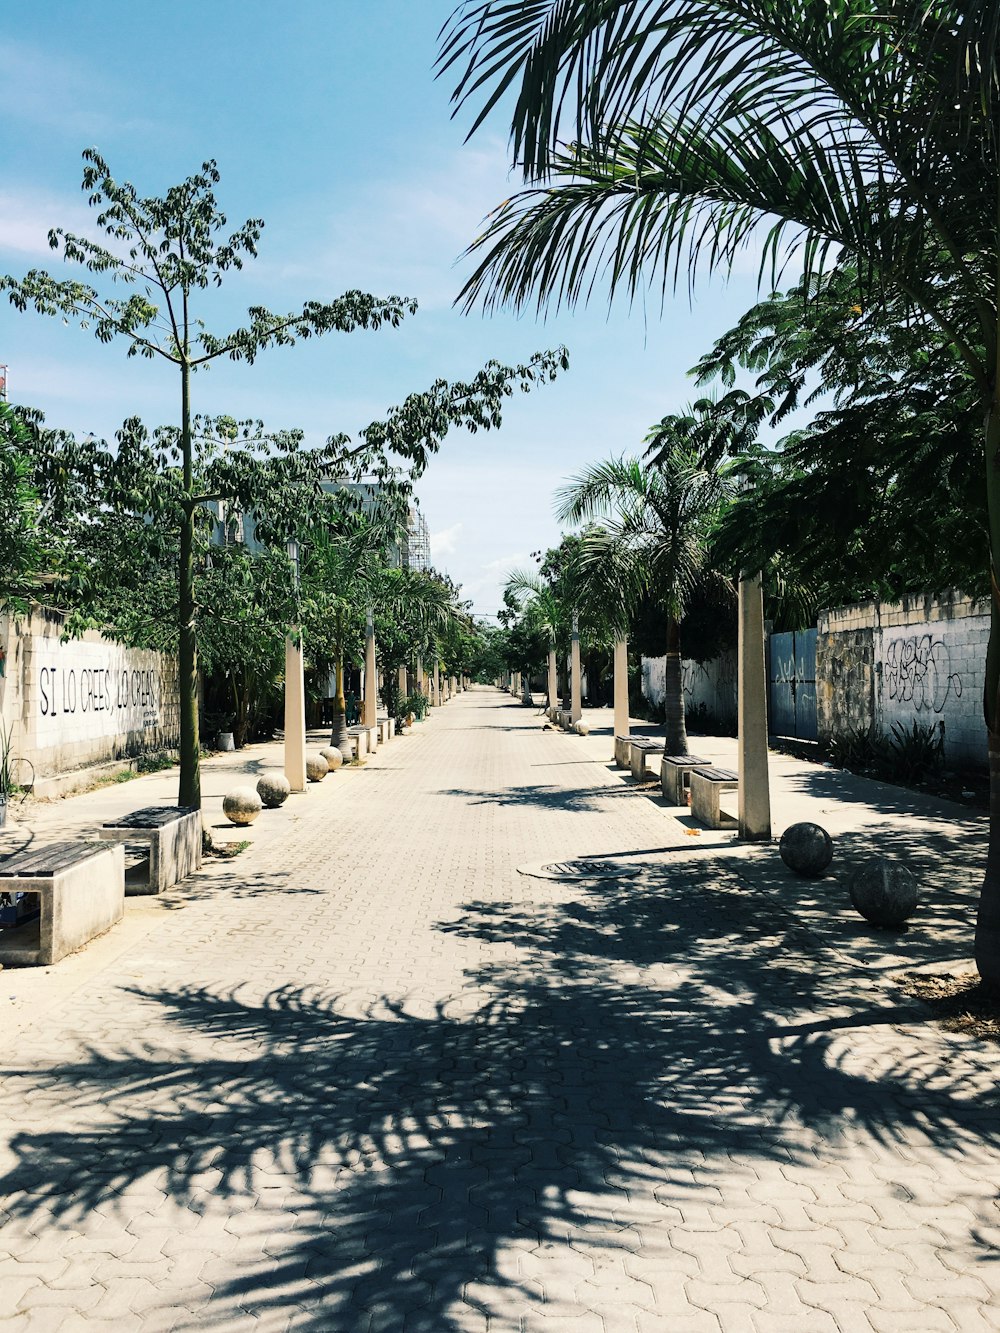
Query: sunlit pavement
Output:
(367,1076)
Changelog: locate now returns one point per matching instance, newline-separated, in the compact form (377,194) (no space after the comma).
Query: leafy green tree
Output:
(490,659)
(24,553)
(163,254)
(344,558)
(541,617)
(881,493)
(818,127)
(412,607)
(245,600)
(657,523)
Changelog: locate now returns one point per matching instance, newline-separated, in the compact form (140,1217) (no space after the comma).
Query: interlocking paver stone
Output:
(368,1077)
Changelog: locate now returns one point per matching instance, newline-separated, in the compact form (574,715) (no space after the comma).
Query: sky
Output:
(326,121)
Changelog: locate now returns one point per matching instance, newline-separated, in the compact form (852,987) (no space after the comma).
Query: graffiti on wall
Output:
(918,672)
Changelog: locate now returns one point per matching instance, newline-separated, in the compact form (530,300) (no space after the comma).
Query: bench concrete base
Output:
(359,738)
(707,786)
(174,850)
(623,746)
(639,752)
(674,770)
(78,902)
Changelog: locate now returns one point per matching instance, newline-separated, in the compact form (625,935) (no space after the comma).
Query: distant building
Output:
(232,527)
(418,541)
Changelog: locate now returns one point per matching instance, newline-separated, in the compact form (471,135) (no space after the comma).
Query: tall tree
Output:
(657,521)
(816,127)
(163,254)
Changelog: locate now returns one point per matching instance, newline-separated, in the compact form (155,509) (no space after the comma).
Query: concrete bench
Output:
(81,891)
(362,738)
(623,745)
(674,770)
(173,836)
(386,728)
(707,786)
(640,748)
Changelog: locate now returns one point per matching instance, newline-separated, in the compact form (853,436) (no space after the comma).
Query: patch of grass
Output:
(226,850)
(156,762)
(958,1000)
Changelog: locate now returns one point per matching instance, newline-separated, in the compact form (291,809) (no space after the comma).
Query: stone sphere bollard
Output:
(886,894)
(333,757)
(316,766)
(806,848)
(581,729)
(273,789)
(242,805)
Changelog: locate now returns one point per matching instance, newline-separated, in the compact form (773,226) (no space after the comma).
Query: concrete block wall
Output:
(86,701)
(921,660)
(932,661)
(711,684)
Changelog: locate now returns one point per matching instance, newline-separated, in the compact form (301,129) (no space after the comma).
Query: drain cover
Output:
(582,869)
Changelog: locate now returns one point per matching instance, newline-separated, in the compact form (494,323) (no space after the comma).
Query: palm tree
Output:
(817,127)
(344,560)
(414,606)
(654,539)
(539,602)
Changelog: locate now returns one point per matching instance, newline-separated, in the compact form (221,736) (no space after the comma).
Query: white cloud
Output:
(445,542)
(405,235)
(26,217)
(44,88)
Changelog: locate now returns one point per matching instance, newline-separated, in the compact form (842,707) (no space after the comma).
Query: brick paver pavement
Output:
(368,1077)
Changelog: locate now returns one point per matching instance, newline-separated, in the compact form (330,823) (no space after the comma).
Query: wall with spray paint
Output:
(920,660)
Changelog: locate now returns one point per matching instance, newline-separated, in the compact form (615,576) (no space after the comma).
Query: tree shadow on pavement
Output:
(635,1059)
(546,796)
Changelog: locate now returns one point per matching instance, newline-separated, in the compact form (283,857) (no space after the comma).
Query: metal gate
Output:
(791,684)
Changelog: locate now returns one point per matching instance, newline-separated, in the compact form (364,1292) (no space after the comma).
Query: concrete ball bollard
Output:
(806,848)
(885,893)
(316,766)
(582,729)
(332,756)
(242,805)
(273,789)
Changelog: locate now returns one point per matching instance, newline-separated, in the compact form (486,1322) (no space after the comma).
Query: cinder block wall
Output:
(712,684)
(930,657)
(87,701)
(919,660)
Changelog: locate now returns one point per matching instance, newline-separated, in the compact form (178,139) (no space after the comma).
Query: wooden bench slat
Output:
(47,861)
(644,743)
(153,816)
(28,863)
(718,774)
(685,760)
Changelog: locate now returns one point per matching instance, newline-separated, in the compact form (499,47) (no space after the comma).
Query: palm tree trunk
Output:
(675,732)
(339,738)
(988,920)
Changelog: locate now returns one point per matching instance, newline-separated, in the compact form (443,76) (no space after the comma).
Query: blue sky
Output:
(326,121)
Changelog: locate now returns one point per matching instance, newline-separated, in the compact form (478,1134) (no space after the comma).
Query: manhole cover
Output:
(582,869)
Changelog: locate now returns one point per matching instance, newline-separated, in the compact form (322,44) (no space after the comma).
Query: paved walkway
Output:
(368,1077)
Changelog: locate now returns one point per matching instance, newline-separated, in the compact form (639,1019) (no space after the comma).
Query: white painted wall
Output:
(84,701)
